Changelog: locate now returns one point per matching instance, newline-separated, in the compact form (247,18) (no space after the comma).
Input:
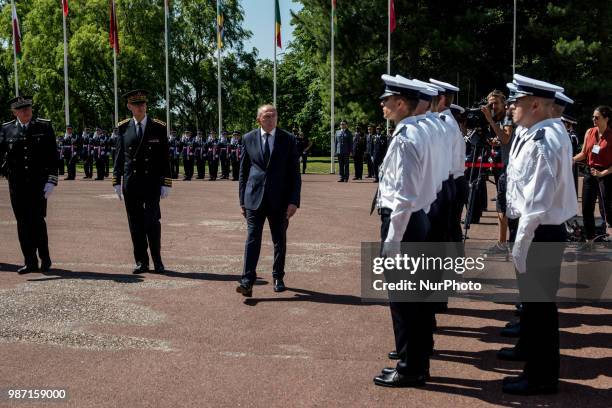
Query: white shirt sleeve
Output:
(408,178)
(538,193)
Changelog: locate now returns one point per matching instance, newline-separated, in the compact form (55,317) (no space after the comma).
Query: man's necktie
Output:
(266,149)
(139,132)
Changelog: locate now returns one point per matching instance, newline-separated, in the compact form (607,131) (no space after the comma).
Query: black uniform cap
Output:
(136,96)
(20,102)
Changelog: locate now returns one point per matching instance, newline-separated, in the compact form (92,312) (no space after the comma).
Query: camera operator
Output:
(500,133)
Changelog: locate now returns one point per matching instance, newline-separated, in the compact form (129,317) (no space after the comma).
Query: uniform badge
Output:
(154,141)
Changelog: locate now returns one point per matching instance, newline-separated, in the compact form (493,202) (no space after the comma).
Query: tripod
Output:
(474,186)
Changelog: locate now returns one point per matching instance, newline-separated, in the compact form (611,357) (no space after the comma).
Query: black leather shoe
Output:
(511,354)
(512,329)
(245,289)
(341,181)
(45,266)
(513,379)
(395,379)
(27,269)
(393,355)
(159,267)
(279,285)
(140,268)
(389,370)
(519,309)
(526,387)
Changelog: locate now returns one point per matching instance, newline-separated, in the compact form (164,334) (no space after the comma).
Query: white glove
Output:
(48,189)
(118,191)
(165,191)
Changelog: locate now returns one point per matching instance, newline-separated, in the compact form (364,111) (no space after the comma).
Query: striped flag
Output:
(113,30)
(65,6)
(392,24)
(277,28)
(335,19)
(16,32)
(220,30)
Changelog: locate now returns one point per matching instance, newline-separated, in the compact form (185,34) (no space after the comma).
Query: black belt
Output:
(384,211)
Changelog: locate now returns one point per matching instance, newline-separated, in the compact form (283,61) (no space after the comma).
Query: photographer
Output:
(500,133)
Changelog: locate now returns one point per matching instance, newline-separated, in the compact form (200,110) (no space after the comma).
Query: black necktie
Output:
(139,132)
(266,149)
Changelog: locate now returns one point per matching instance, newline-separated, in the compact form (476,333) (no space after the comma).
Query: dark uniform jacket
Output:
(143,163)
(278,180)
(29,159)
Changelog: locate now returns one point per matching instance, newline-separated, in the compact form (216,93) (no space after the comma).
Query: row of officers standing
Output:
(369,148)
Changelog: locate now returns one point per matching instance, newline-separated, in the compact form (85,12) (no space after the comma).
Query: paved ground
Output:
(187,339)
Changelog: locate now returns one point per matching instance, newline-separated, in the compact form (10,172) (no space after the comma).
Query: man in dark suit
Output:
(28,160)
(143,161)
(344,150)
(269,187)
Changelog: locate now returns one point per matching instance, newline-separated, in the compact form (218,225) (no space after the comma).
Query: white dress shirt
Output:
(458,144)
(434,132)
(143,122)
(540,185)
(406,183)
(270,139)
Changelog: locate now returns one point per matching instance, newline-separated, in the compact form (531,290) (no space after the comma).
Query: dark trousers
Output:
(596,189)
(30,209)
(412,321)
(60,166)
(370,163)
(71,165)
(225,166)
(235,170)
(461,193)
(540,320)
(377,162)
(343,163)
(174,167)
(201,167)
(145,229)
(88,167)
(358,160)
(213,168)
(277,219)
(304,163)
(188,168)
(101,168)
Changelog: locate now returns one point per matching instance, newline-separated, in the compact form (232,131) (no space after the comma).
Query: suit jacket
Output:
(143,164)
(344,142)
(278,181)
(29,158)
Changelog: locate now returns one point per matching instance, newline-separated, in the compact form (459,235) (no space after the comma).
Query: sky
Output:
(259,19)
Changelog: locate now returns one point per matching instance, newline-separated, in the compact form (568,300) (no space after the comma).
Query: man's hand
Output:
(487,113)
(291,209)
(118,191)
(165,191)
(48,189)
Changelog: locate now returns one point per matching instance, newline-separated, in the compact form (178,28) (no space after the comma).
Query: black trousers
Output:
(188,168)
(201,167)
(377,162)
(225,166)
(596,189)
(358,160)
(304,163)
(100,168)
(88,167)
(343,164)
(30,209)
(213,168)
(174,167)
(461,194)
(235,170)
(145,229)
(60,166)
(412,321)
(277,219)
(370,163)
(539,338)
(106,165)
(72,162)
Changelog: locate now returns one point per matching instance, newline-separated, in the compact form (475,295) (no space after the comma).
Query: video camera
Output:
(478,133)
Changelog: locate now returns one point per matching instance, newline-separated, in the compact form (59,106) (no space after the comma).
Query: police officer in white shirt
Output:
(402,200)
(541,195)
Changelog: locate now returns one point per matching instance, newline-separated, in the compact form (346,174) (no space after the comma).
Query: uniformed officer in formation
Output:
(368,157)
(174,151)
(100,154)
(405,193)
(142,176)
(359,148)
(212,145)
(344,150)
(379,149)
(112,141)
(87,151)
(28,159)
(60,155)
(71,152)
(540,199)
(303,144)
(224,156)
(235,154)
(199,152)
(187,152)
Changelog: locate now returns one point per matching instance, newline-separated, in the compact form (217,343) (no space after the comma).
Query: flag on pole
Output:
(392,16)
(334,18)
(220,30)
(65,6)
(113,30)
(277,29)
(16,32)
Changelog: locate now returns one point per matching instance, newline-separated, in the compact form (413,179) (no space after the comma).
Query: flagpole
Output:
(115,85)
(219,72)
(388,47)
(15,50)
(332,162)
(514,42)
(66,96)
(166,14)
(274,87)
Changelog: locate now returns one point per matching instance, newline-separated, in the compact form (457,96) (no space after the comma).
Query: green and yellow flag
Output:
(277,29)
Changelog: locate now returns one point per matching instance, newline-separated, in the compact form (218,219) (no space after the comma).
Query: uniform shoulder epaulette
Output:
(42,120)
(160,122)
(123,122)
(10,122)
(539,134)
